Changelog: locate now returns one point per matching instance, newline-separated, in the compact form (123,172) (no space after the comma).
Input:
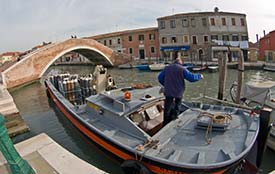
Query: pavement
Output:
(14,122)
(47,157)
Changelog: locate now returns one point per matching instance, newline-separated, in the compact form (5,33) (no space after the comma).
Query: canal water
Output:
(42,116)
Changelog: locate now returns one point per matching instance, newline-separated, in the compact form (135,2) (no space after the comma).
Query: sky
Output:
(27,23)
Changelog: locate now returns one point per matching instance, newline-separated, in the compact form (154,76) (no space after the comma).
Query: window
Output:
(152,49)
(204,23)
(235,38)
(214,37)
(174,39)
(119,51)
(141,37)
(233,21)
(130,38)
(105,42)
(212,21)
(244,38)
(205,38)
(194,39)
(185,39)
(151,36)
(223,21)
(225,38)
(162,24)
(193,23)
(130,50)
(172,24)
(110,42)
(164,40)
(118,41)
(242,22)
(185,22)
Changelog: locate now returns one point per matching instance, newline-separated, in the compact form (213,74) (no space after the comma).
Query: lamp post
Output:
(17,164)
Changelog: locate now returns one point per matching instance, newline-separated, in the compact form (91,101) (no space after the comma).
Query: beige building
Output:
(8,57)
(199,36)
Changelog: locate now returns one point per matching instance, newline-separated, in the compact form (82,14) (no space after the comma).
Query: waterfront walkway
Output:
(14,122)
(47,157)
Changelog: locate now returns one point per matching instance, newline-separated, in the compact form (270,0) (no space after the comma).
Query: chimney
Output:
(264,33)
(257,37)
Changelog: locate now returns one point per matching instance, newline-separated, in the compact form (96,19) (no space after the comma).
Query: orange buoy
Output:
(127,96)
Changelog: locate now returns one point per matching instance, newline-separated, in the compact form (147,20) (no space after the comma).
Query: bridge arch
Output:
(79,49)
(34,64)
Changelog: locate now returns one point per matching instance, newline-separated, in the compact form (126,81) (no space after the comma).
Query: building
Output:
(139,43)
(9,57)
(267,47)
(253,52)
(199,36)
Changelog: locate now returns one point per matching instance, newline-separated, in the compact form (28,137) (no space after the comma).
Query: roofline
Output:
(200,13)
(268,35)
(119,33)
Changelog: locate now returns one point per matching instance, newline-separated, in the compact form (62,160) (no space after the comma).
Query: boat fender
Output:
(134,167)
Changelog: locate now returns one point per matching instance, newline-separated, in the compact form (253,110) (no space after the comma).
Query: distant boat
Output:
(126,66)
(144,67)
(157,66)
(198,68)
(188,66)
(269,68)
(213,68)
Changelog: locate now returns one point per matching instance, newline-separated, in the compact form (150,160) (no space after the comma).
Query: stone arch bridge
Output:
(34,64)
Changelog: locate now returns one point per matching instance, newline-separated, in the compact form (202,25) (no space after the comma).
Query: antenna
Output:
(173,11)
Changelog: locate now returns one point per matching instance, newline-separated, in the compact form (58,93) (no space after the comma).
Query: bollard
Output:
(17,164)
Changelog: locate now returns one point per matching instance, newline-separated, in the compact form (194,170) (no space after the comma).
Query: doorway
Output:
(141,54)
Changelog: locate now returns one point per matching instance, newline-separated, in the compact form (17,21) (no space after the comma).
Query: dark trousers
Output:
(171,109)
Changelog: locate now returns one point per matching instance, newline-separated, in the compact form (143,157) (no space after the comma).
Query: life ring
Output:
(134,167)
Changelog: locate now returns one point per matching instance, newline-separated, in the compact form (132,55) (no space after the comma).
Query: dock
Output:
(14,122)
(47,157)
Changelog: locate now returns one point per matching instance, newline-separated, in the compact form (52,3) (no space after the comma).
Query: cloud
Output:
(27,23)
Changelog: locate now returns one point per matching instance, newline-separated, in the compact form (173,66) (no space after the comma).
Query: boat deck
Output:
(182,142)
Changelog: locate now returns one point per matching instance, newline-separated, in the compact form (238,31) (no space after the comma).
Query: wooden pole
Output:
(240,76)
(222,74)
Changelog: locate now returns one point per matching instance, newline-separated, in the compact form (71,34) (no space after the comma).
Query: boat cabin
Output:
(144,109)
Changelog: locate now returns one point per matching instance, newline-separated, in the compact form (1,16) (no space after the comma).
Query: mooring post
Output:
(240,77)
(17,164)
(222,73)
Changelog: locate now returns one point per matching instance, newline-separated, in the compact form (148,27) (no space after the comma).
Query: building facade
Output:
(199,36)
(9,57)
(267,47)
(139,43)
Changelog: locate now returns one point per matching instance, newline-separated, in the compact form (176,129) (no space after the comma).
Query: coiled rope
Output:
(218,118)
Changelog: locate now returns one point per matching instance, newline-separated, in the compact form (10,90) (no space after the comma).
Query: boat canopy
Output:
(260,92)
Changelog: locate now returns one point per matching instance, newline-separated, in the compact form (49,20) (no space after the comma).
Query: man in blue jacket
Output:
(172,78)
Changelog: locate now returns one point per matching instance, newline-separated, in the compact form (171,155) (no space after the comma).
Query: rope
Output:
(218,118)
(150,144)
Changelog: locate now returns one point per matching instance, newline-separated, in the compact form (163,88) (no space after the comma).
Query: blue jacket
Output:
(172,78)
